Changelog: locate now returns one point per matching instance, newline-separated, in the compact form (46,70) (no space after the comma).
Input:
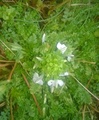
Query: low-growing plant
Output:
(52,72)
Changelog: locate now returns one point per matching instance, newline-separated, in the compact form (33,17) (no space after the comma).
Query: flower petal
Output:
(64,74)
(60,82)
(51,83)
(52,89)
(70,57)
(38,58)
(39,82)
(37,79)
(61,47)
(43,38)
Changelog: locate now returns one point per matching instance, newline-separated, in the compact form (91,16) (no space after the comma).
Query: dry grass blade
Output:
(4,65)
(6,61)
(2,104)
(85,88)
(10,75)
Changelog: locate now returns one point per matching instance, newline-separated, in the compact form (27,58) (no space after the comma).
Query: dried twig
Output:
(60,5)
(9,78)
(35,100)
(89,81)
(7,47)
(8,1)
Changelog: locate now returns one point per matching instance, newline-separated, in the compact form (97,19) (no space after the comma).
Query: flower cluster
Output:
(55,83)
(51,83)
(52,64)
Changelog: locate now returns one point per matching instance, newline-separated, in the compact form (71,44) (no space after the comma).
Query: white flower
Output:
(55,83)
(61,47)
(38,79)
(69,58)
(43,38)
(64,74)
